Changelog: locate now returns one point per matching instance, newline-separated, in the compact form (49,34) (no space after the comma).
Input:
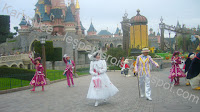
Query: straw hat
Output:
(145,50)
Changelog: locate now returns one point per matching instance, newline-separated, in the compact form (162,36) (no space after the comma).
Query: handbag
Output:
(97,81)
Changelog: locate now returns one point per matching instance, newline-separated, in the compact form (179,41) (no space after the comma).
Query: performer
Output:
(194,73)
(69,69)
(122,65)
(101,88)
(134,63)
(126,68)
(187,65)
(38,79)
(175,72)
(143,69)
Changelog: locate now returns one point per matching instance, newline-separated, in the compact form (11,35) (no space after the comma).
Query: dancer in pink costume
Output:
(175,71)
(38,79)
(69,69)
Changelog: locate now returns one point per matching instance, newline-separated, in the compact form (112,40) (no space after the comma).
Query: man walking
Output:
(143,69)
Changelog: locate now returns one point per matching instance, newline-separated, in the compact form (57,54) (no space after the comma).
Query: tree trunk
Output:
(53,65)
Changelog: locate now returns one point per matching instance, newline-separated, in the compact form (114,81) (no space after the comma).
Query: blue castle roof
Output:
(117,31)
(46,17)
(104,32)
(23,21)
(92,29)
(82,28)
(57,13)
(69,15)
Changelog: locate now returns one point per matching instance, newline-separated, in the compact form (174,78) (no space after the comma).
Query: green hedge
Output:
(112,67)
(16,73)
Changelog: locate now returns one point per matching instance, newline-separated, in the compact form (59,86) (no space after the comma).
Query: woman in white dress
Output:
(101,88)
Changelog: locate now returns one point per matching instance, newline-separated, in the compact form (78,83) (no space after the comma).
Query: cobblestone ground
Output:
(58,97)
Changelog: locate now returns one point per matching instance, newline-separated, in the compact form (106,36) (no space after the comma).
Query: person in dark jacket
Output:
(187,65)
(194,73)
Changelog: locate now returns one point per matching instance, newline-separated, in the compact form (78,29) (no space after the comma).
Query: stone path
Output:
(58,97)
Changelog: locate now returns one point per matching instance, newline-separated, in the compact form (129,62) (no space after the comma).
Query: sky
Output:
(107,14)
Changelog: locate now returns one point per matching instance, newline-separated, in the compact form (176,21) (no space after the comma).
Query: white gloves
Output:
(30,55)
(65,55)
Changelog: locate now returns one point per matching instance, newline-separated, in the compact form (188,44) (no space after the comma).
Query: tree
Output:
(52,54)
(118,53)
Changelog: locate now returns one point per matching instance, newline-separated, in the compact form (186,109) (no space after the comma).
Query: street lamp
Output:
(170,43)
(76,75)
(43,41)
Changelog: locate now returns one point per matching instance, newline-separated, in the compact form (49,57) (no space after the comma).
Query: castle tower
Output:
(79,31)
(138,32)
(24,24)
(117,32)
(58,4)
(91,30)
(126,35)
(70,21)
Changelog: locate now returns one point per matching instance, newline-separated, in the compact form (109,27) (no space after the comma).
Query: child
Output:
(175,71)
(126,68)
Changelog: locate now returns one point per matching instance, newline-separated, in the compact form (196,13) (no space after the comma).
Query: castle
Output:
(58,21)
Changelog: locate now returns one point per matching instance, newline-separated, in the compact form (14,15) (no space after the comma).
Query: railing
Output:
(10,81)
(14,58)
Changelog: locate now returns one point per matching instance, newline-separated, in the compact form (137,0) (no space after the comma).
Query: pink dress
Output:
(69,71)
(176,71)
(38,79)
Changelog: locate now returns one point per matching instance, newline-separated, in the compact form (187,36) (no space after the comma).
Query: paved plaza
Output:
(57,97)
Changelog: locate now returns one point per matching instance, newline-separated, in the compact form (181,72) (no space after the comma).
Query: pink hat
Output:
(176,52)
(38,58)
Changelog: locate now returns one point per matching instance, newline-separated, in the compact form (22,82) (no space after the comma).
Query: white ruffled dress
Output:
(105,89)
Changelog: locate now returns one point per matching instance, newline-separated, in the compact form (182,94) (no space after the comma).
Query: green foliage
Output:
(49,50)
(57,54)
(4,25)
(114,67)
(16,73)
(118,53)
(152,55)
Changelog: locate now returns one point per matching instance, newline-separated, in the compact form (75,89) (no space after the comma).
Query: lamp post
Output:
(170,43)
(43,41)
(76,75)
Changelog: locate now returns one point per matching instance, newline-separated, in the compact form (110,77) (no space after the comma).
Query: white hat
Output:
(126,61)
(145,50)
(66,56)
(192,56)
(91,56)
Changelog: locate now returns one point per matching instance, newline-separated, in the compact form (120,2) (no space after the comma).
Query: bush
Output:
(152,55)
(114,67)
(16,73)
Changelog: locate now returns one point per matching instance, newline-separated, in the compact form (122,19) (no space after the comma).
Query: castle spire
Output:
(77,5)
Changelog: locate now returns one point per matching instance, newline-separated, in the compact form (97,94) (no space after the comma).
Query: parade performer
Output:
(187,65)
(142,68)
(38,79)
(122,65)
(126,68)
(101,88)
(134,63)
(194,73)
(175,72)
(69,69)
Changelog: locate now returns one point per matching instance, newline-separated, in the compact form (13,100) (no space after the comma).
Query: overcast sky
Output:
(108,13)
